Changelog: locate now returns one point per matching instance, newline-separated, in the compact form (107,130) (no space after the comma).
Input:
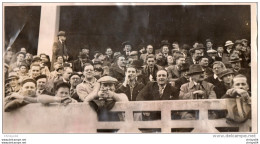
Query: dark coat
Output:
(126,90)
(146,73)
(179,82)
(117,73)
(58,49)
(47,92)
(173,72)
(212,80)
(151,92)
(220,90)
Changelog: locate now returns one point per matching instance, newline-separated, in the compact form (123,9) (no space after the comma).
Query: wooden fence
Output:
(80,118)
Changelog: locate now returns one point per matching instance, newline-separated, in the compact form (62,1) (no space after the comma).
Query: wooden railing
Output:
(80,118)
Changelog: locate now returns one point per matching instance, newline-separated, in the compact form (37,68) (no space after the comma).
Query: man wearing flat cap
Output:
(12,84)
(59,47)
(103,98)
(197,88)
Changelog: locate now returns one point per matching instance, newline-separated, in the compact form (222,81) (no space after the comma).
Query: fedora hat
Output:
(137,64)
(238,42)
(61,33)
(234,58)
(199,46)
(228,43)
(225,72)
(184,67)
(126,43)
(244,40)
(164,42)
(195,69)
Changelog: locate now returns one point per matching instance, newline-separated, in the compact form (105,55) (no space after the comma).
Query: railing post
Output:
(165,119)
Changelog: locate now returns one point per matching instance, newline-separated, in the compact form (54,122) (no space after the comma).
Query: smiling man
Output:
(158,90)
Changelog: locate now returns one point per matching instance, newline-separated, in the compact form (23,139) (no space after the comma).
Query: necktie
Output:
(161,91)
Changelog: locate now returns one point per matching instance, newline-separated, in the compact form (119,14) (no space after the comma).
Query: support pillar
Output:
(49,27)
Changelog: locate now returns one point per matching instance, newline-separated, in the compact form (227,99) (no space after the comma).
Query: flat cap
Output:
(28,80)
(13,75)
(225,72)
(107,79)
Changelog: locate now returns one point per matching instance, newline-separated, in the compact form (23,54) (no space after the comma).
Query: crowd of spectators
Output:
(201,70)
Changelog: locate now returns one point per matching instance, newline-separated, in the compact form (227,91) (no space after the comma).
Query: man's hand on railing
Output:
(65,101)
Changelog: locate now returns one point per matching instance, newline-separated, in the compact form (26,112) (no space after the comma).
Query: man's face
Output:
(239,47)
(128,48)
(41,83)
(175,46)
(204,62)
(159,56)
(195,45)
(217,69)
(63,92)
(20,57)
(28,89)
(62,38)
(109,51)
(170,60)
(13,82)
(67,73)
(85,51)
(197,54)
(240,83)
(198,78)
(236,65)
(60,60)
(121,61)
(75,80)
(228,78)
(28,56)
(243,49)
(35,71)
(107,86)
(9,56)
(16,70)
(229,47)
(88,72)
(131,72)
(244,43)
(44,58)
(180,61)
(209,44)
(165,49)
(101,58)
(161,77)
(149,49)
(220,49)
(151,62)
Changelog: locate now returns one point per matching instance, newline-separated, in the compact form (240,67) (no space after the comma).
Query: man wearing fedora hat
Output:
(78,64)
(226,54)
(195,54)
(59,47)
(236,67)
(127,47)
(197,88)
